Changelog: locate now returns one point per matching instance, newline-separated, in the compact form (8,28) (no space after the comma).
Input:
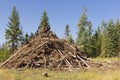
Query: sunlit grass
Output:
(37,74)
(99,59)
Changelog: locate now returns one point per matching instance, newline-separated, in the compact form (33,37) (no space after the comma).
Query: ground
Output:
(107,69)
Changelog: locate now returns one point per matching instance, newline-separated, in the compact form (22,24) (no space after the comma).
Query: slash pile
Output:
(46,50)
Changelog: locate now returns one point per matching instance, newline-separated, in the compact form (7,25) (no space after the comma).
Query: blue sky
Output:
(60,13)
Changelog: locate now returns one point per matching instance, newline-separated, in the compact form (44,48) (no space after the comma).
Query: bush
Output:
(4,53)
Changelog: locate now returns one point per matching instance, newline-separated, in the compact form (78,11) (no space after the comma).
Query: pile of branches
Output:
(47,51)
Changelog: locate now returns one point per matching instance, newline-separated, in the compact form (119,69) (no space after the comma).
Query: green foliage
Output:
(31,35)
(67,34)
(104,42)
(109,40)
(44,24)
(70,39)
(117,25)
(96,43)
(84,33)
(13,32)
(25,39)
(4,53)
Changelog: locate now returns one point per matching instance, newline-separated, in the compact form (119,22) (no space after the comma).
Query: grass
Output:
(37,74)
(106,59)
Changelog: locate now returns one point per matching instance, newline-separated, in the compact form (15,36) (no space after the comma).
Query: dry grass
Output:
(105,59)
(37,74)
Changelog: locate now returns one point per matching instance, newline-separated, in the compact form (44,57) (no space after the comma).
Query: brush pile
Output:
(46,50)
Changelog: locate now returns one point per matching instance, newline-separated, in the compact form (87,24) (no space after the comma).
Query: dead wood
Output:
(46,50)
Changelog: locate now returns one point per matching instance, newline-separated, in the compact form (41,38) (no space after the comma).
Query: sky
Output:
(60,13)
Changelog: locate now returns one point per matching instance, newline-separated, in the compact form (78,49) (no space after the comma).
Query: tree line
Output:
(103,42)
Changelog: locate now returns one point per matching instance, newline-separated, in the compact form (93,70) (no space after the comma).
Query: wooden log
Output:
(60,64)
(45,63)
(66,61)
(39,46)
(78,62)
(83,61)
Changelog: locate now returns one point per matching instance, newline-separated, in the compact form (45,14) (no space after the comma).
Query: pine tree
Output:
(84,33)
(25,38)
(117,25)
(13,33)
(67,31)
(31,35)
(44,24)
(96,43)
(109,40)
(68,36)
(70,39)
(104,40)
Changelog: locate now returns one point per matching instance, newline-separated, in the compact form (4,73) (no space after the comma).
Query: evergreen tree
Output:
(68,36)
(117,25)
(84,33)
(67,31)
(31,35)
(44,24)
(25,39)
(96,43)
(70,39)
(109,40)
(13,33)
